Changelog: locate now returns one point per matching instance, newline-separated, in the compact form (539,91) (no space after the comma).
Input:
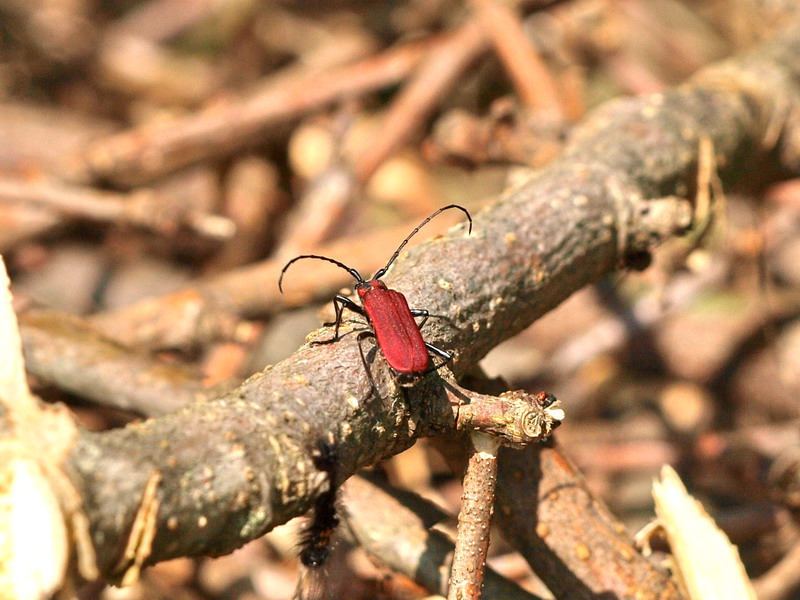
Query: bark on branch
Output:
(230,469)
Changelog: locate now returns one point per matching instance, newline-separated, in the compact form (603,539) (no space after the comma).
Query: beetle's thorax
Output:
(373,284)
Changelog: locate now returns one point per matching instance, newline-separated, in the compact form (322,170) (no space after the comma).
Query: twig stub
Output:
(516,417)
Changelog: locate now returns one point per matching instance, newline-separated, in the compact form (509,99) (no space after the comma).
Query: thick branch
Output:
(232,468)
(546,511)
(64,351)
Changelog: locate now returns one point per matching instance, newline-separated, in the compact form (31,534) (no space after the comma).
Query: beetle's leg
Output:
(444,354)
(339,304)
(361,336)
(406,378)
(421,312)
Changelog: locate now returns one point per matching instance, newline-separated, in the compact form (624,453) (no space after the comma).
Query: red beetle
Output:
(387,310)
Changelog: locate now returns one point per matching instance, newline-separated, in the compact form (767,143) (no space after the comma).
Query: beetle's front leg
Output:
(339,304)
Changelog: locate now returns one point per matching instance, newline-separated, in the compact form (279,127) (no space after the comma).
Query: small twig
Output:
(142,208)
(397,528)
(532,79)
(329,193)
(318,212)
(474,519)
(252,197)
(140,541)
(435,77)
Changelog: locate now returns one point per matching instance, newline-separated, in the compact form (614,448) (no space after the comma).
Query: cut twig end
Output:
(517,418)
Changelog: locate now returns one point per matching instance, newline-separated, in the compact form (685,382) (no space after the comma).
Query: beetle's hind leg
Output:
(339,304)
(410,378)
(439,352)
(443,353)
(421,312)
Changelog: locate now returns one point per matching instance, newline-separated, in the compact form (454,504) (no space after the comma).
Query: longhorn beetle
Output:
(387,310)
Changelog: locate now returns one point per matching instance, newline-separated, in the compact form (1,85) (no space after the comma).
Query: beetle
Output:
(387,310)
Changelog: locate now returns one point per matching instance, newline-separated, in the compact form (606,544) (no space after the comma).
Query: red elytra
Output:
(387,310)
(398,334)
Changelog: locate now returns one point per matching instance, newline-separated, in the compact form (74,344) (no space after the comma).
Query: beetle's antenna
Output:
(350,270)
(382,271)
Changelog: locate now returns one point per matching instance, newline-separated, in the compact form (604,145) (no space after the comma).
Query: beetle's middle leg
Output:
(421,312)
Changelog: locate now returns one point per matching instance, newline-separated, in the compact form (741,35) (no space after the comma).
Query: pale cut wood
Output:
(33,535)
(705,561)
